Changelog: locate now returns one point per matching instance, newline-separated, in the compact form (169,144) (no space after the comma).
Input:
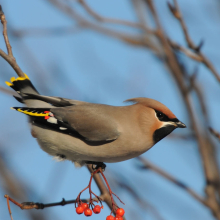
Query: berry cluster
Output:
(84,208)
(119,215)
(88,208)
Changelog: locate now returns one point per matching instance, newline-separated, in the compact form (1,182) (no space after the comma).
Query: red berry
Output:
(85,206)
(88,212)
(118,218)
(120,212)
(97,209)
(110,217)
(79,210)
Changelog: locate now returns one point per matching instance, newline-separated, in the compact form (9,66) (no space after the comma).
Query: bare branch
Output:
(32,205)
(5,34)
(140,13)
(135,40)
(148,165)
(197,49)
(177,14)
(123,183)
(8,57)
(38,32)
(107,20)
(186,51)
(215,133)
(206,148)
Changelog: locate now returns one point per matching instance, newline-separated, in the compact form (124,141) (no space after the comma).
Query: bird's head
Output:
(160,120)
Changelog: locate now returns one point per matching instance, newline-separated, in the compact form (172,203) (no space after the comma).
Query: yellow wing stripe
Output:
(32,113)
(14,79)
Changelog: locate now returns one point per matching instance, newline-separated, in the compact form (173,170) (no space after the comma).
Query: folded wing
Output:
(92,121)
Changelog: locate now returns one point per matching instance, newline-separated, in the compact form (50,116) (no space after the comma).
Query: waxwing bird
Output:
(93,133)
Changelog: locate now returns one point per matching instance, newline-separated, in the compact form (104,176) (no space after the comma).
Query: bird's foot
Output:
(97,165)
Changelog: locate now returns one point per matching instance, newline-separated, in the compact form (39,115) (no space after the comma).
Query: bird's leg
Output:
(91,200)
(96,165)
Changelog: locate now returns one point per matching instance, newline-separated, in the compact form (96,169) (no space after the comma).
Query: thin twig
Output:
(197,49)
(5,34)
(9,208)
(140,12)
(8,57)
(215,133)
(107,20)
(32,205)
(123,183)
(185,50)
(38,32)
(135,39)
(148,165)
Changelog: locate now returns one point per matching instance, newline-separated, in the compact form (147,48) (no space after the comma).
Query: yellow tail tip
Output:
(13,79)
(19,78)
(12,108)
(9,84)
(26,76)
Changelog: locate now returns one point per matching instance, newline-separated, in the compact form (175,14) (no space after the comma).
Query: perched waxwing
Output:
(93,133)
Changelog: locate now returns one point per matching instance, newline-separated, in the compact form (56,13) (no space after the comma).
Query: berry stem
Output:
(78,200)
(111,193)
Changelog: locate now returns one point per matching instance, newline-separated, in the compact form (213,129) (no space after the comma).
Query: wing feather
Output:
(92,121)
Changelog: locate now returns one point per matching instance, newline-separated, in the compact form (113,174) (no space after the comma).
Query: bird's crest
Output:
(151,103)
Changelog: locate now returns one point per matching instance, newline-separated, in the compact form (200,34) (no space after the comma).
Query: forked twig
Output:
(196,48)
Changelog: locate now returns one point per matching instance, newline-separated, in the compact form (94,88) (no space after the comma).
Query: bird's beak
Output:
(180,124)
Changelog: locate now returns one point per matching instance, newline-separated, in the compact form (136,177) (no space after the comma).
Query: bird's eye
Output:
(160,115)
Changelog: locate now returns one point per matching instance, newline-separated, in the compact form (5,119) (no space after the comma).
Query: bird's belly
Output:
(74,149)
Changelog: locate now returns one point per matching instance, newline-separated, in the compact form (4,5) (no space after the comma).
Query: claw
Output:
(97,165)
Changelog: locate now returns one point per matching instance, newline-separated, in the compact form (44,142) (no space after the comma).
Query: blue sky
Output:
(92,67)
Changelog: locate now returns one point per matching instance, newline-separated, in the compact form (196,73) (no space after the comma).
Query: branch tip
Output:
(1,11)
(200,45)
(174,10)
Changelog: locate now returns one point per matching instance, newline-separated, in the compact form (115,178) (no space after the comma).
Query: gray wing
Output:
(93,121)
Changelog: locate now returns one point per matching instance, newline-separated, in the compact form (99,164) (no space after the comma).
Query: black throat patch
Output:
(162,132)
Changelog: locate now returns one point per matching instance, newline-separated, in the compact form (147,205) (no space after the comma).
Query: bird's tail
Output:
(22,85)
(28,95)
